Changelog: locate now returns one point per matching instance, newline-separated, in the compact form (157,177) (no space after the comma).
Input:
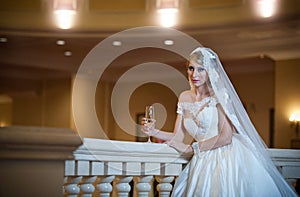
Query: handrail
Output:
(113,150)
(116,163)
(101,150)
(102,166)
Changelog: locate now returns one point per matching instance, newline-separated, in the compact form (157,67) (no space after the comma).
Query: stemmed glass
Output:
(149,115)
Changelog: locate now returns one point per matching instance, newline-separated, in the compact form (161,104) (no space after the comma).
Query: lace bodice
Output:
(200,119)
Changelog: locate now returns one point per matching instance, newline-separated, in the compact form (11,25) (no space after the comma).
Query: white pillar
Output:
(122,186)
(86,187)
(104,185)
(164,187)
(143,185)
(71,187)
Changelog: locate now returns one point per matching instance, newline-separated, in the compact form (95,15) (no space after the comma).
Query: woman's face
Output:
(197,74)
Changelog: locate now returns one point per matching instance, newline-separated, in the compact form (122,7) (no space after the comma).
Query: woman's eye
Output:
(200,69)
(191,68)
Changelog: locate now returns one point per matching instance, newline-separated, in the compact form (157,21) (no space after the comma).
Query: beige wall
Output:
(6,105)
(256,91)
(28,110)
(287,100)
(253,79)
(52,106)
(49,107)
(150,93)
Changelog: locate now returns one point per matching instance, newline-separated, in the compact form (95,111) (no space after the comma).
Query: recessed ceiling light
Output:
(60,42)
(117,43)
(3,39)
(169,42)
(68,53)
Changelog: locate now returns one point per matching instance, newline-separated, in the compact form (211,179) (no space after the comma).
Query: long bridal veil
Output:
(234,109)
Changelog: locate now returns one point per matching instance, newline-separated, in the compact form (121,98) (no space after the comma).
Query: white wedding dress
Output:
(231,170)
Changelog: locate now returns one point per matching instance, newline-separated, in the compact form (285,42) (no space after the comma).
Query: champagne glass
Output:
(149,115)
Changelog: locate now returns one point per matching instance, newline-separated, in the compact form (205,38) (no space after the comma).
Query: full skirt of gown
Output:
(231,170)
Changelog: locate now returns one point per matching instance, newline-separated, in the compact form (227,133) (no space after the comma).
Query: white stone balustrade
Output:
(49,162)
(123,161)
(116,163)
(32,161)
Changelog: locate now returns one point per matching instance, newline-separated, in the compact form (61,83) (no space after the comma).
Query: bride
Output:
(230,159)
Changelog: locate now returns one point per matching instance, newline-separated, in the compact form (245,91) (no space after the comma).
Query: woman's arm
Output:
(163,135)
(225,133)
(177,141)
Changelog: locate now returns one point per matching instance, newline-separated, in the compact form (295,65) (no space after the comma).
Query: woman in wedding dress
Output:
(230,159)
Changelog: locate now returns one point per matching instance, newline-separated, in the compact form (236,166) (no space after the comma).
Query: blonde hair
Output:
(197,56)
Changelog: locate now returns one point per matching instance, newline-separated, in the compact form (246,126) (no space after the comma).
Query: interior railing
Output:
(48,162)
(118,168)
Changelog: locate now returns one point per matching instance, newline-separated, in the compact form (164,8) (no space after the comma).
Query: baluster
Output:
(164,187)
(104,186)
(71,187)
(143,185)
(87,188)
(122,185)
(64,185)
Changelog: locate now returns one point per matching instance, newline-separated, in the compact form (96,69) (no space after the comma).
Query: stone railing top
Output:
(124,151)
(26,142)
(286,157)
(277,153)
(113,150)
(111,157)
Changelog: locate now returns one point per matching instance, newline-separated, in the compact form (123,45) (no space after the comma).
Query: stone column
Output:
(32,160)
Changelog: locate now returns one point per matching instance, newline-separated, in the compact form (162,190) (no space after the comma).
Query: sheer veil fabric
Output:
(231,104)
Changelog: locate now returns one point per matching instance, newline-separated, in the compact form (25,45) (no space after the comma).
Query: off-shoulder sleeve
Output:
(179,108)
(213,102)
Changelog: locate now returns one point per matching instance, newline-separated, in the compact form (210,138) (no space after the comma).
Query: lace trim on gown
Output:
(194,107)
(199,118)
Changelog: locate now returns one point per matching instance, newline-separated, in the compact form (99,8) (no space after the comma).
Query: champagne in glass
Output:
(149,115)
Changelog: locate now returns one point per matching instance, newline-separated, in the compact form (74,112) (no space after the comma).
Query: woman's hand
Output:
(148,128)
(180,147)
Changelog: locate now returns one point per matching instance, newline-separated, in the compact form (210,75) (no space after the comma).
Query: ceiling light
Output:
(167,10)
(167,19)
(265,8)
(60,42)
(167,5)
(168,42)
(117,43)
(64,11)
(68,53)
(3,39)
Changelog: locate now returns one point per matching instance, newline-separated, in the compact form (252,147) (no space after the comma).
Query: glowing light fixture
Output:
(168,42)
(117,43)
(2,124)
(68,53)
(60,42)
(3,39)
(295,122)
(167,10)
(64,11)
(295,117)
(265,8)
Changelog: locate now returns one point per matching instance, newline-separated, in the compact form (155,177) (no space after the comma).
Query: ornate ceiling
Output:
(231,27)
